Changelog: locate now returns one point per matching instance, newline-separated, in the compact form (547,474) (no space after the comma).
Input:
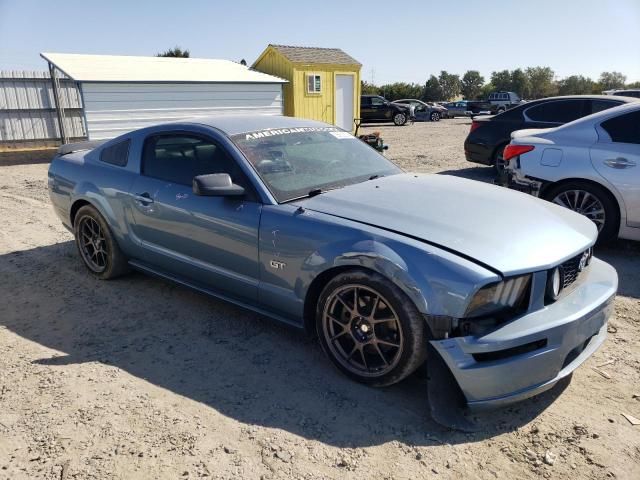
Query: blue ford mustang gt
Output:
(302,222)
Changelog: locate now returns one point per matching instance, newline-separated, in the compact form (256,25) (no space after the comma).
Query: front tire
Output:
(399,119)
(592,201)
(98,248)
(435,117)
(370,330)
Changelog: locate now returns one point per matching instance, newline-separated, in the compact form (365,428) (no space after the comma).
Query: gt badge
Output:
(277,265)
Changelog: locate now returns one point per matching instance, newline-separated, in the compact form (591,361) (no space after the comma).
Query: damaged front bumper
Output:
(530,354)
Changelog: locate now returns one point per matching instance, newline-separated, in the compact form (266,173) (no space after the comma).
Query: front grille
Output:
(571,269)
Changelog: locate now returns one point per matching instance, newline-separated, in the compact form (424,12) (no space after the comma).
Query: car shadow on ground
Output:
(246,367)
(624,255)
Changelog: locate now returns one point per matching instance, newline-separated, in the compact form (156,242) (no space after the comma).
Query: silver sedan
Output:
(591,166)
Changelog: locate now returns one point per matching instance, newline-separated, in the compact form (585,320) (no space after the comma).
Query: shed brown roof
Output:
(315,55)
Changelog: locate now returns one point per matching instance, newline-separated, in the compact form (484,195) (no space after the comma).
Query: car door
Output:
(366,112)
(616,156)
(380,108)
(208,241)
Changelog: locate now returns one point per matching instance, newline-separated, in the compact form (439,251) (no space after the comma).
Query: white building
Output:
(123,93)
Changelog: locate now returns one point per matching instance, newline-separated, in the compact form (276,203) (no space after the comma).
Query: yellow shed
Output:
(324,83)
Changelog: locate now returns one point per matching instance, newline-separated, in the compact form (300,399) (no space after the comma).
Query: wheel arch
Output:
(617,200)
(375,258)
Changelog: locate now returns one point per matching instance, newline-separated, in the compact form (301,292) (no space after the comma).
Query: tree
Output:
(520,83)
(541,81)
(501,80)
(486,90)
(634,85)
(398,90)
(174,52)
(612,80)
(450,85)
(575,85)
(368,88)
(432,90)
(471,84)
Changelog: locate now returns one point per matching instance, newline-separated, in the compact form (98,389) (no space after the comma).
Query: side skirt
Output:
(156,273)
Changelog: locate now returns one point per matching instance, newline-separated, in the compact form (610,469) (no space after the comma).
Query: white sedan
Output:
(591,166)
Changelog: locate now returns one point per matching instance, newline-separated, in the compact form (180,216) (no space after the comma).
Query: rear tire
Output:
(399,119)
(592,201)
(369,329)
(97,246)
(498,162)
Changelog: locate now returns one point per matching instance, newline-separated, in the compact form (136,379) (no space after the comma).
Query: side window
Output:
(624,128)
(365,101)
(377,101)
(599,105)
(556,112)
(314,84)
(117,154)
(177,158)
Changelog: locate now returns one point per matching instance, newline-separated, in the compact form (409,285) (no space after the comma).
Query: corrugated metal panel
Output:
(118,68)
(115,108)
(38,125)
(27,107)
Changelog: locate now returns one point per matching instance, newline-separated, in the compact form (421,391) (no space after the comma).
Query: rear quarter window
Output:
(117,154)
(624,128)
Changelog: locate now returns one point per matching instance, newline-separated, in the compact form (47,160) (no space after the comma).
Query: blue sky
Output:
(394,40)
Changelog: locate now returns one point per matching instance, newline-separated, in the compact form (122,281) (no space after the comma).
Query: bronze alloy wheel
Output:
(362,330)
(93,245)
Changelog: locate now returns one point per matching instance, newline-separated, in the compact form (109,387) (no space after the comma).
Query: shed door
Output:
(344,102)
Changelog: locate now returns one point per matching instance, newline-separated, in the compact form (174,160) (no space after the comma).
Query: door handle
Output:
(619,163)
(143,198)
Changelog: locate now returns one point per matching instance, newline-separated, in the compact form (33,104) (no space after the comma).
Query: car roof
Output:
(590,97)
(235,124)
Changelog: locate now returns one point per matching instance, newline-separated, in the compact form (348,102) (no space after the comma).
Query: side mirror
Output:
(216,185)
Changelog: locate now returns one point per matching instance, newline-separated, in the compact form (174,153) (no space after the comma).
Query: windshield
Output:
(303,161)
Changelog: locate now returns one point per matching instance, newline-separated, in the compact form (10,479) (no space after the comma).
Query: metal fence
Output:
(28,109)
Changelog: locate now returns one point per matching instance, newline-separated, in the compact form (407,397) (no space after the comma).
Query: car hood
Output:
(505,230)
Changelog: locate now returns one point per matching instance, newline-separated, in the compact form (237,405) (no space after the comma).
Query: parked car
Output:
(423,111)
(469,108)
(374,108)
(489,135)
(302,222)
(504,100)
(624,93)
(591,166)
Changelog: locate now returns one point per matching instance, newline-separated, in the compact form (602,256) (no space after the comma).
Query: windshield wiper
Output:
(373,177)
(315,191)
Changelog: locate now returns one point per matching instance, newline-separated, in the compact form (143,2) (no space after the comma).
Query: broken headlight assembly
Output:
(501,299)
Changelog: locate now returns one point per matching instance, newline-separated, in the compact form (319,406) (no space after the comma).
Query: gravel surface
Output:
(140,378)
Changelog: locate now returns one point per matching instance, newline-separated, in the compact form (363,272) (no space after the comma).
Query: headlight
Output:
(502,297)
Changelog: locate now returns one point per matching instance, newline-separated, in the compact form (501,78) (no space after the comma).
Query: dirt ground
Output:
(140,378)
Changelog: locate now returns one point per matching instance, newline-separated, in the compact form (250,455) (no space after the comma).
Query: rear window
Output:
(600,105)
(624,129)
(561,111)
(117,154)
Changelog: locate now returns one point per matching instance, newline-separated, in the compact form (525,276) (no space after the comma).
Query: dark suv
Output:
(490,134)
(374,108)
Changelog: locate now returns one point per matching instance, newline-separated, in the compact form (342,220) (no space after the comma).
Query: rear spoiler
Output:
(76,147)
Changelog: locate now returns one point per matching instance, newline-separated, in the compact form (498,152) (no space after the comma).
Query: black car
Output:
(374,108)
(490,134)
